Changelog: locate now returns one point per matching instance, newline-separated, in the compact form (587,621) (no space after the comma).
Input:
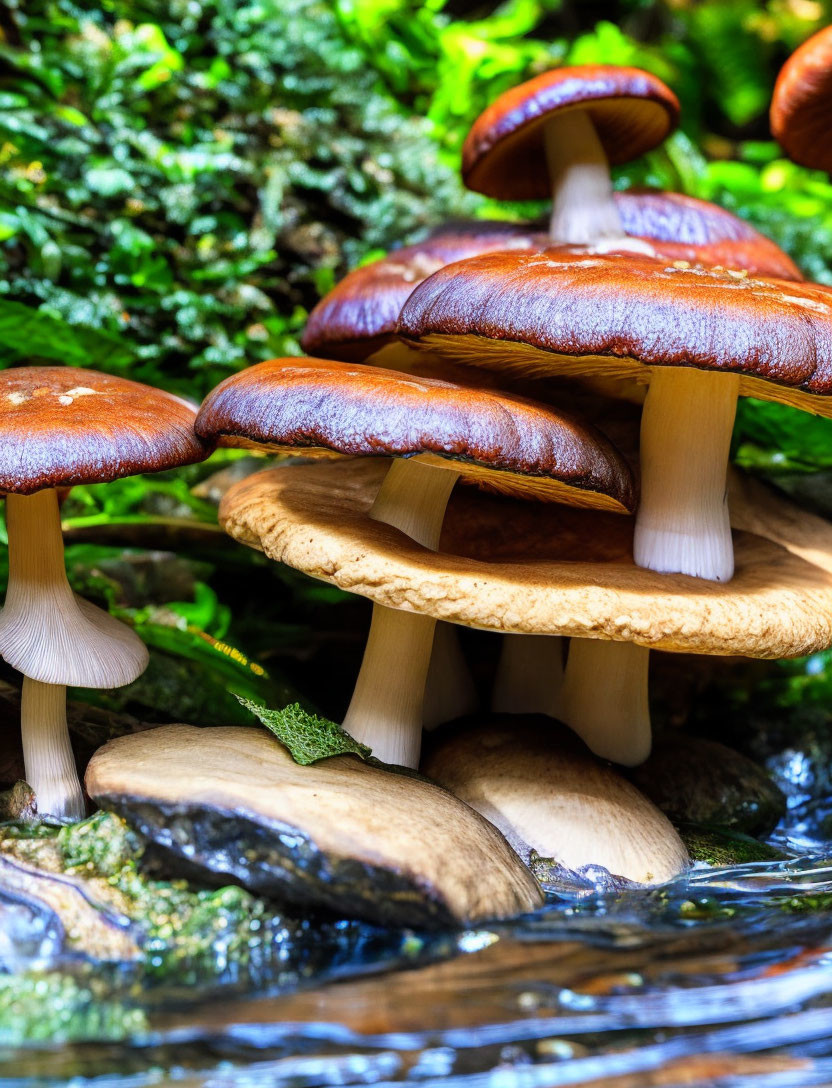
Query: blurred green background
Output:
(180,181)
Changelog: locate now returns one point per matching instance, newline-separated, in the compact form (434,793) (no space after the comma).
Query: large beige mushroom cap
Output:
(510,567)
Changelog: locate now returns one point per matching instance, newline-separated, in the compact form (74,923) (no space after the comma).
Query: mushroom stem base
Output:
(529,676)
(682,525)
(386,709)
(605,698)
(47,753)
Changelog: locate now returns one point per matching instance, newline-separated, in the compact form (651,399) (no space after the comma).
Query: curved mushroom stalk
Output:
(449,690)
(55,639)
(682,523)
(605,698)
(529,676)
(386,709)
(584,212)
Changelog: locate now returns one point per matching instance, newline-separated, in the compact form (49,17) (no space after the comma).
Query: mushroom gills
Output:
(682,523)
(386,708)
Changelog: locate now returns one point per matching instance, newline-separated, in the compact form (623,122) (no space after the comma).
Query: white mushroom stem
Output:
(55,639)
(682,524)
(605,698)
(449,690)
(385,712)
(529,676)
(584,212)
(36,568)
(47,752)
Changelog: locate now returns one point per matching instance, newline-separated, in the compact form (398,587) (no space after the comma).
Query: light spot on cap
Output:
(64,399)
(17,398)
(82,391)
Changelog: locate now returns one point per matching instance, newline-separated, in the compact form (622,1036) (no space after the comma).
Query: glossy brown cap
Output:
(801,106)
(683,228)
(359,315)
(61,426)
(503,155)
(567,313)
(496,439)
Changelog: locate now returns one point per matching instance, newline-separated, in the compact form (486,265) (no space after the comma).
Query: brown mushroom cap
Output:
(512,567)
(359,315)
(685,228)
(503,154)
(61,426)
(496,439)
(565,312)
(801,106)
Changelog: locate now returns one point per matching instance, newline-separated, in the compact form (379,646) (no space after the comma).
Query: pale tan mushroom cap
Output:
(530,569)
(537,783)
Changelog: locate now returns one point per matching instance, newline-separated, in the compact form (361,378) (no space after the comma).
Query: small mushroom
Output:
(436,432)
(63,426)
(557,135)
(560,571)
(801,106)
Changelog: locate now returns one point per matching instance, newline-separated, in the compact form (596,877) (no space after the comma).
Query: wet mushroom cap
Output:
(566,312)
(63,426)
(801,106)
(514,567)
(503,155)
(359,315)
(685,228)
(496,439)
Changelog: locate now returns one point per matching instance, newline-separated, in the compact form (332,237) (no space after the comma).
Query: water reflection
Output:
(723,977)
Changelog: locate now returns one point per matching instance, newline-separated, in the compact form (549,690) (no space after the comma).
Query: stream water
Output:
(721,978)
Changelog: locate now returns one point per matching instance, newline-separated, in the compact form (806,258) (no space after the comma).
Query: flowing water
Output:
(721,978)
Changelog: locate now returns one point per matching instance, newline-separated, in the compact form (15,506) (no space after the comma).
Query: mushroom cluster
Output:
(514,358)
(578,380)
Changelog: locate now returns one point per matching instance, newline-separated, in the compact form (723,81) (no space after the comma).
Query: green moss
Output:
(307,736)
(718,846)
(57,1009)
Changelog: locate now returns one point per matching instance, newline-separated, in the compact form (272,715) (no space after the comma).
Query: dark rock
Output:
(340,835)
(699,781)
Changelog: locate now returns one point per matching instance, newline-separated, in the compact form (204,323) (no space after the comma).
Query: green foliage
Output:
(307,737)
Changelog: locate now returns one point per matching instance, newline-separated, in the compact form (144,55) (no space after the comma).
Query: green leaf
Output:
(307,737)
(36,333)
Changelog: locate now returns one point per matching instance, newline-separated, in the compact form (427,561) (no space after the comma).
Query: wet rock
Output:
(339,835)
(48,915)
(716,846)
(18,803)
(540,785)
(699,781)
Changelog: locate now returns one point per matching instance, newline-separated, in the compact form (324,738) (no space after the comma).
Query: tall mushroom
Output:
(63,426)
(556,135)
(801,106)
(700,336)
(436,432)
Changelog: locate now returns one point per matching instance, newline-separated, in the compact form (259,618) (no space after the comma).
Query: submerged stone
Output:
(340,835)
(698,781)
(536,781)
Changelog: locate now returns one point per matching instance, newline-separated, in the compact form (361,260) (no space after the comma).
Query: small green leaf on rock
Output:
(307,737)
